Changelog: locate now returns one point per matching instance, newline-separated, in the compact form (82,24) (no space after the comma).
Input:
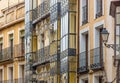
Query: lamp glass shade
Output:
(105,35)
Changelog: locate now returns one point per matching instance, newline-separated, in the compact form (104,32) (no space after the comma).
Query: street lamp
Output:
(105,35)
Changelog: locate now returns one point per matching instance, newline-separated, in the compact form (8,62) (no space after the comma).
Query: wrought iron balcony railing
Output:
(83,62)
(66,6)
(42,10)
(55,12)
(96,60)
(6,54)
(44,74)
(12,52)
(46,54)
(19,50)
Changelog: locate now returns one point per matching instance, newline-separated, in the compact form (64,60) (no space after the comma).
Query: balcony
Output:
(53,51)
(6,54)
(19,51)
(46,55)
(54,12)
(41,57)
(12,15)
(41,11)
(44,76)
(83,61)
(96,60)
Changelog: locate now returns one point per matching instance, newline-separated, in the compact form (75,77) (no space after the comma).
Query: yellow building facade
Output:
(96,60)
(12,48)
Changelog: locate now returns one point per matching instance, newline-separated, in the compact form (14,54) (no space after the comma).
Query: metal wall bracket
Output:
(113,46)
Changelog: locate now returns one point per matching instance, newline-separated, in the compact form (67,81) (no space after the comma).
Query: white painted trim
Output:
(87,29)
(96,26)
(10,65)
(82,11)
(82,32)
(8,33)
(19,33)
(2,68)
(19,64)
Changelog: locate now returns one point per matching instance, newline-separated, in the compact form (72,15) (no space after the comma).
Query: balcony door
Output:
(97,52)
(22,46)
(84,48)
(11,48)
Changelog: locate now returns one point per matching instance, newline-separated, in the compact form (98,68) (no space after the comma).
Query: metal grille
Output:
(96,60)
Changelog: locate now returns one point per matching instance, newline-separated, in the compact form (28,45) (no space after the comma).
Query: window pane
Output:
(84,3)
(117,18)
(118,9)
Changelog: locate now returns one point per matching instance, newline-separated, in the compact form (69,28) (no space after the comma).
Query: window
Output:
(84,48)
(97,52)
(11,45)
(98,79)
(22,42)
(99,7)
(84,11)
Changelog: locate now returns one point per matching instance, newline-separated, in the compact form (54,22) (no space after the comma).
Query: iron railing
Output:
(83,62)
(54,12)
(44,74)
(19,50)
(12,52)
(96,60)
(67,7)
(42,10)
(46,54)
(6,54)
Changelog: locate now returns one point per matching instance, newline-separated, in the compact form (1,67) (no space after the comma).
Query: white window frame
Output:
(81,12)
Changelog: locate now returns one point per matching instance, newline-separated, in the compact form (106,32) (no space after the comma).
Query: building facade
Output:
(98,61)
(53,31)
(60,41)
(64,41)
(12,60)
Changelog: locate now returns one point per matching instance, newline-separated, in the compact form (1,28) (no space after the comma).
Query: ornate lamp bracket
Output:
(113,46)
